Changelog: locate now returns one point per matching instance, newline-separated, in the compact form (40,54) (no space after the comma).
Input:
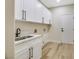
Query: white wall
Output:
(28,27)
(55,35)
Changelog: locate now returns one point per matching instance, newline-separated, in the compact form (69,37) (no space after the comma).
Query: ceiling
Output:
(54,3)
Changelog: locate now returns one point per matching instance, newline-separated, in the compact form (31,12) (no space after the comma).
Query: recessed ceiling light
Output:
(58,1)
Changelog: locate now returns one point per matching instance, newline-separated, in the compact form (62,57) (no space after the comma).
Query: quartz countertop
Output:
(28,39)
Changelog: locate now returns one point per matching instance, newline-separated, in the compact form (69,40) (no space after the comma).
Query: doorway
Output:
(67,28)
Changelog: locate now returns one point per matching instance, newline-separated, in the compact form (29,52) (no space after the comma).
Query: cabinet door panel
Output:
(18,9)
(33,12)
(28,7)
(46,14)
(22,55)
(37,12)
(37,50)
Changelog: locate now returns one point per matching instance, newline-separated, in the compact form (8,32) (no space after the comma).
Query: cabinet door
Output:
(46,14)
(48,17)
(18,9)
(28,7)
(37,50)
(37,11)
(33,12)
(24,54)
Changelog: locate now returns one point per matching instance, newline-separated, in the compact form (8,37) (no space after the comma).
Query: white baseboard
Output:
(56,41)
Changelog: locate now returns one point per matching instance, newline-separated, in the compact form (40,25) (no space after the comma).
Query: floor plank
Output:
(59,51)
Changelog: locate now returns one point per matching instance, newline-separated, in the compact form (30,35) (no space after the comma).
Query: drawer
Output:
(24,45)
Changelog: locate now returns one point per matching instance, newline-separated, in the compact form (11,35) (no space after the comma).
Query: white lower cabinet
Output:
(32,11)
(29,50)
(22,55)
(37,52)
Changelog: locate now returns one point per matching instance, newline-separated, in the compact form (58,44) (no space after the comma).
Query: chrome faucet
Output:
(18,32)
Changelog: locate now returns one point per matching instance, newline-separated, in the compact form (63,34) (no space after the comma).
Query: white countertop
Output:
(28,39)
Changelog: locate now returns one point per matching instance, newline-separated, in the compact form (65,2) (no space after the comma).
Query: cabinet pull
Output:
(22,14)
(29,53)
(25,15)
(42,19)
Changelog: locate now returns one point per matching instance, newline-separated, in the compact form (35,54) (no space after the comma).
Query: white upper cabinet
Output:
(37,11)
(31,10)
(18,9)
(46,15)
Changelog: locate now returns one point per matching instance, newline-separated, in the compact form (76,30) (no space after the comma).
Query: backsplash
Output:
(30,28)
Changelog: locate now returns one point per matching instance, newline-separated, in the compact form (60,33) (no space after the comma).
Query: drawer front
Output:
(26,44)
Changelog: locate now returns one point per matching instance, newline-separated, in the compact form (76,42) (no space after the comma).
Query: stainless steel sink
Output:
(22,38)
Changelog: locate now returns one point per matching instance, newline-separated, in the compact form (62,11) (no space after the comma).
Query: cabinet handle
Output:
(32,52)
(42,19)
(25,15)
(22,14)
(29,53)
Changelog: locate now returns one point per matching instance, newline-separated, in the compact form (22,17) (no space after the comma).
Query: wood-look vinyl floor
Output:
(58,51)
